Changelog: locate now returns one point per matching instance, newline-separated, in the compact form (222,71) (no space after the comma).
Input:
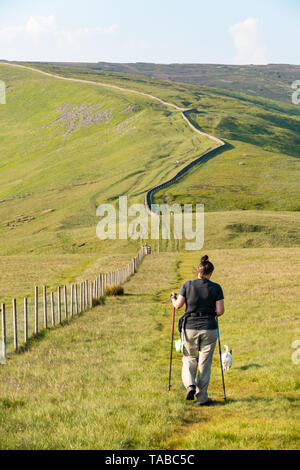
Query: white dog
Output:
(227,358)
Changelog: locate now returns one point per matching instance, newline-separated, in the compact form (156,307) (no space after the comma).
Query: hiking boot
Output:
(207,403)
(190,392)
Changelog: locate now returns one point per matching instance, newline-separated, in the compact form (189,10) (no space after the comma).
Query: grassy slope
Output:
(66,392)
(102,382)
(41,169)
(263,385)
(262,168)
(263,135)
(269,81)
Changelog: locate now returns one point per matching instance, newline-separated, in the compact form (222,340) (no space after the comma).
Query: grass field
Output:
(263,138)
(67,147)
(102,381)
(52,271)
(58,165)
(269,81)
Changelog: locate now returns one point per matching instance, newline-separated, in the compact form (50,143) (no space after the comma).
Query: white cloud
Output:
(248,37)
(40,24)
(41,39)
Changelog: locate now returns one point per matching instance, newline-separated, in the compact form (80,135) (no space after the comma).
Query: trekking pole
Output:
(173,323)
(219,340)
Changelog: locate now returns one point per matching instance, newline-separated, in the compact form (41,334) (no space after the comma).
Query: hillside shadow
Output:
(37,338)
(249,366)
(261,134)
(216,152)
(253,400)
(197,162)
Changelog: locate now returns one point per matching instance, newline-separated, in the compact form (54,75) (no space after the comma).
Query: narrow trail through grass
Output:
(101,382)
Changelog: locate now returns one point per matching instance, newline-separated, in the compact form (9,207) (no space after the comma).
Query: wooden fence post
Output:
(91,294)
(71,301)
(66,302)
(81,298)
(36,310)
(3,332)
(15,324)
(52,309)
(25,320)
(86,294)
(45,306)
(76,299)
(59,304)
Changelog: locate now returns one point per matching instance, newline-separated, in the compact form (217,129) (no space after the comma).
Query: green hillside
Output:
(263,144)
(100,382)
(261,169)
(67,147)
(271,81)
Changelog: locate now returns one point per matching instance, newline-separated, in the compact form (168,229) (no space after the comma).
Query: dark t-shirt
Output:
(201,295)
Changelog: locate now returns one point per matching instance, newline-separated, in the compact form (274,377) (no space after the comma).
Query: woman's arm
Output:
(220,309)
(178,303)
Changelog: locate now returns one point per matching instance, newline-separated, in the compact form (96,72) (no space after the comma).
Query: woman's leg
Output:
(190,357)
(207,344)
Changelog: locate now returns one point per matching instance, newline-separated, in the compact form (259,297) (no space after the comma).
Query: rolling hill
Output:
(67,147)
(271,81)
(262,135)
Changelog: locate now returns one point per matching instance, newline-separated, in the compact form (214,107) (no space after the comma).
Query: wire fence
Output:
(48,309)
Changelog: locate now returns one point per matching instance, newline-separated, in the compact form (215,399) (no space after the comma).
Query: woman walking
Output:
(203,300)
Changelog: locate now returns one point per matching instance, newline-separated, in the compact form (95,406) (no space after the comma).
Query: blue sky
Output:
(161,31)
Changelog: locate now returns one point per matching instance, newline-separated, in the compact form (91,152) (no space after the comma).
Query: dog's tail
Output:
(226,348)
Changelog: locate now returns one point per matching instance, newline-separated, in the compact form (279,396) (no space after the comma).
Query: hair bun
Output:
(204,259)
